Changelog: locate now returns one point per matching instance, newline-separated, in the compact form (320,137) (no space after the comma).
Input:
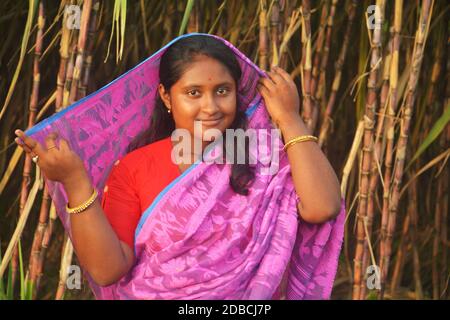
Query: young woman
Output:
(200,79)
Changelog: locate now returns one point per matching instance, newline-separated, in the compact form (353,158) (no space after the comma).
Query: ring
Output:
(35,159)
(51,147)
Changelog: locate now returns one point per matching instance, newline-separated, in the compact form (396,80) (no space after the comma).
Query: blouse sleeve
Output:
(120,203)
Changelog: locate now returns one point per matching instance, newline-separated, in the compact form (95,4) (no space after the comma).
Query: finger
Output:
(282,73)
(32,144)
(50,141)
(63,145)
(268,78)
(275,77)
(21,144)
(262,90)
(267,82)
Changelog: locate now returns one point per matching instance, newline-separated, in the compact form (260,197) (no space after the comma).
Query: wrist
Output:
(78,188)
(76,180)
(292,127)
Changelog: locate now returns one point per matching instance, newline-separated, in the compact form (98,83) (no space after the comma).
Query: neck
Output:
(194,155)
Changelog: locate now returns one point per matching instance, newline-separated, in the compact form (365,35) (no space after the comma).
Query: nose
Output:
(210,105)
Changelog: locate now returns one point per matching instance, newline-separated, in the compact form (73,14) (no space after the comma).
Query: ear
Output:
(165,96)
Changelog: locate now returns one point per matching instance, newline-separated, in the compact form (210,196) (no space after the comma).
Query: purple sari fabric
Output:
(199,239)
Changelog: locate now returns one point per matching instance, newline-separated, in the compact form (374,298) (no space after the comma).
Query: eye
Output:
(192,91)
(224,91)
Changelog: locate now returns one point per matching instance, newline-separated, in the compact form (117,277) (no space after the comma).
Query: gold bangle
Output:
(299,139)
(83,206)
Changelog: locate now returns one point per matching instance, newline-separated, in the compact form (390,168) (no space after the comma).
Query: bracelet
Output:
(83,206)
(299,139)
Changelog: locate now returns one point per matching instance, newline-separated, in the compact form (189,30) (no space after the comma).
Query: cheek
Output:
(230,110)
(185,112)
(231,106)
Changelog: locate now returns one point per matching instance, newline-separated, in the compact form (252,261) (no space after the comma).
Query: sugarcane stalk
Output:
(401,257)
(287,13)
(439,252)
(445,141)
(444,207)
(35,264)
(319,46)
(47,236)
(69,71)
(89,50)
(379,144)
(413,236)
(84,26)
(144,22)
(327,120)
(31,120)
(421,132)
(380,141)
(306,65)
(66,261)
(367,151)
(390,126)
(64,56)
(320,91)
(356,144)
(263,36)
(274,31)
(33,110)
(436,246)
(294,24)
(416,63)
(431,93)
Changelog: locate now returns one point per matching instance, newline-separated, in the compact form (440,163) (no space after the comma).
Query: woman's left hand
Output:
(280,95)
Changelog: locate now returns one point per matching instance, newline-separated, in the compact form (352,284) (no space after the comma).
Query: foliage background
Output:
(358,87)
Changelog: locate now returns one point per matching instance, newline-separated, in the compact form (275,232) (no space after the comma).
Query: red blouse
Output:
(134,182)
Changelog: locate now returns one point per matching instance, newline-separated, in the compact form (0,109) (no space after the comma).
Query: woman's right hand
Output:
(57,162)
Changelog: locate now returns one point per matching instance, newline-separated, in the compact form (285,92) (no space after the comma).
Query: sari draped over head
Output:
(199,239)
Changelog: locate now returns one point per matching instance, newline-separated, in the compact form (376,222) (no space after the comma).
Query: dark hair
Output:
(173,64)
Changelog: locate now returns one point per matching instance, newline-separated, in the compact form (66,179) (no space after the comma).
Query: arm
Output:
(314,178)
(96,244)
(105,257)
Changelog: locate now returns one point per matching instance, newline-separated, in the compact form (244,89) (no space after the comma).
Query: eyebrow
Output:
(194,85)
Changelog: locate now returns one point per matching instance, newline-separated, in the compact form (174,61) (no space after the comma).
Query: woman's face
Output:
(206,92)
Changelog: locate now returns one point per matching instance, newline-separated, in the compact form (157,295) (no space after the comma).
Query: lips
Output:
(211,122)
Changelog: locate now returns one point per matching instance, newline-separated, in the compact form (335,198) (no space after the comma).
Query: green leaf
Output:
(119,23)
(434,133)
(30,289)
(187,13)
(123,19)
(9,288)
(22,281)
(372,295)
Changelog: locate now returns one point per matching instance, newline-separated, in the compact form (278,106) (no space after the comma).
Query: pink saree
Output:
(199,239)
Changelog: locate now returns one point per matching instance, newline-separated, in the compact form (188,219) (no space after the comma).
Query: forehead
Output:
(205,71)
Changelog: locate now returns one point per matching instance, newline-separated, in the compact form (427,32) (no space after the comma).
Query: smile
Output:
(211,122)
